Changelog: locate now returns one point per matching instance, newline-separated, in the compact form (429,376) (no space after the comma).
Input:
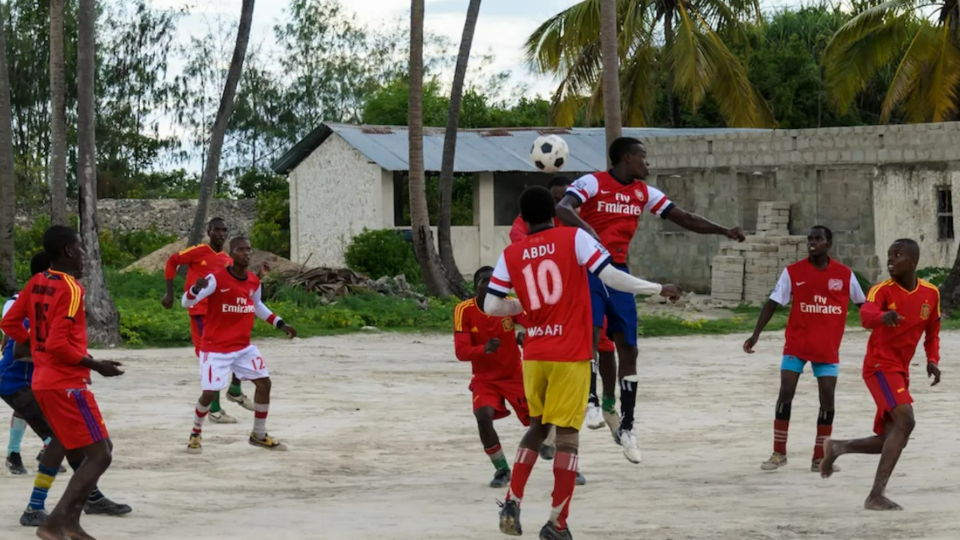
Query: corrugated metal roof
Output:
(478,150)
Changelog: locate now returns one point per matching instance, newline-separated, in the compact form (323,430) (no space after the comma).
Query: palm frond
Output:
(941,95)
(638,85)
(905,86)
(692,72)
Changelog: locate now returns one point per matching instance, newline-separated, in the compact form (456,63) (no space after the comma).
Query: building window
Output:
(944,214)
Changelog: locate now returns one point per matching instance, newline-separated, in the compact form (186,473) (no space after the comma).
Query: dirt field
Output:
(383,445)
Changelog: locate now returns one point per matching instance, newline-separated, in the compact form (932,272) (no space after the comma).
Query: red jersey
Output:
(200,260)
(818,315)
(519,230)
(548,269)
(891,348)
(473,329)
(53,302)
(232,305)
(613,209)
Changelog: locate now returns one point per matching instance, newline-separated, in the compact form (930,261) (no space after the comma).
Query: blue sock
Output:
(41,485)
(95,495)
(18,426)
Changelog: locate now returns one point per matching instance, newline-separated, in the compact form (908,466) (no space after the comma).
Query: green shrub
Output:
(381,253)
(271,230)
(934,275)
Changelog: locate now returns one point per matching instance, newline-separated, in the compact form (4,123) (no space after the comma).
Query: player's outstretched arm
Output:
(625,282)
(567,212)
(931,346)
(701,225)
(501,307)
(765,315)
(265,314)
(203,288)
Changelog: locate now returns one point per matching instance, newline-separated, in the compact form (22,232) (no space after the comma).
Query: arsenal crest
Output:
(639,195)
(507,325)
(925,311)
(835,285)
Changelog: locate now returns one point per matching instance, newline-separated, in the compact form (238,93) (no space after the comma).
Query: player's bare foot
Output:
(815,466)
(831,451)
(52,533)
(77,533)
(880,502)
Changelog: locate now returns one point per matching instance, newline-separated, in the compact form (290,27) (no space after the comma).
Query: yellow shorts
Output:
(557,392)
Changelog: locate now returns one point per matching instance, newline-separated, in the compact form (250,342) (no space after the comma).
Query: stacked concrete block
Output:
(773,219)
(727,279)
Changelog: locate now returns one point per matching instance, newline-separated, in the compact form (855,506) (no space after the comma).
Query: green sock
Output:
(215,405)
(497,458)
(235,389)
(609,404)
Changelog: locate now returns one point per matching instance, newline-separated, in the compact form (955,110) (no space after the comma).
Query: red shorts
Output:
(196,332)
(606,344)
(74,417)
(496,393)
(889,389)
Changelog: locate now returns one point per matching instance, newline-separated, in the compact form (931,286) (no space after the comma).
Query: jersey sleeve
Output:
(190,299)
(590,253)
(657,202)
(584,188)
(856,292)
(871,314)
(464,347)
(62,319)
(783,291)
(500,283)
(262,311)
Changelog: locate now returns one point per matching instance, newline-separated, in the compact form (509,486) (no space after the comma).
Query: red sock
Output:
(522,468)
(565,467)
(780,428)
(823,431)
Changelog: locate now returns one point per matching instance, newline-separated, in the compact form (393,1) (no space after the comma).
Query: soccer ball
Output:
(549,153)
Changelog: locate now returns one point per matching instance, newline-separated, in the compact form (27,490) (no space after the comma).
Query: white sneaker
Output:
(628,441)
(241,400)
(612,419)
(222,418)
(594,418)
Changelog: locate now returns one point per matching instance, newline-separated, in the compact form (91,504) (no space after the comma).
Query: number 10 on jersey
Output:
(544,284)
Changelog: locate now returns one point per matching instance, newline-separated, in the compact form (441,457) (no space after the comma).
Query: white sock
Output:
(260,419)
(199,414)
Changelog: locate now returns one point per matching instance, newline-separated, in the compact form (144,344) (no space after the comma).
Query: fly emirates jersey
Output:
(548,270)
(613,209)
(232,304)
(818,315)
(200,261)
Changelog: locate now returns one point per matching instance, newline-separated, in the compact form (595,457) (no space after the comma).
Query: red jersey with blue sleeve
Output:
(890,349)
(613,209)
(200,261)
(548,270)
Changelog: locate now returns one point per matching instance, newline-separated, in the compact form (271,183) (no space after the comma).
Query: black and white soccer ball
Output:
(549,153)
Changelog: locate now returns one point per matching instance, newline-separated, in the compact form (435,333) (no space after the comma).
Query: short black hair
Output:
(559,181)
(827,233)
(911,245)
(56,238)
(214,220)
(621,147)
(480,272)
(39,263)
(236,240)
(537,205)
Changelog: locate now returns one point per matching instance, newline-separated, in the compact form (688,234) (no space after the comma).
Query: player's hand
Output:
(290,331)
(671,292)
(200,285)
(736,233)
(492,346)
(933,370)
(167,301)
(750,343)
(520,337)
(108,368)
(892,319)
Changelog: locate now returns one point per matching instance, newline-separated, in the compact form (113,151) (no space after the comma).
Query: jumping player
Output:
(201,260)
(548,270)
(53,301)
(899,311)
(820,290)
(610,206)
(234,299)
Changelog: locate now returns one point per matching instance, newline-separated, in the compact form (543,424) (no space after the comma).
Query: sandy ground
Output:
(383,445)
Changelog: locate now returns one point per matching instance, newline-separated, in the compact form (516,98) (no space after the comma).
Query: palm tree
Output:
(612,117)
(104,321)
(923,36)
(8,180)
(692,55)
(444,240)
(430,264)
(58,117)
(211,167)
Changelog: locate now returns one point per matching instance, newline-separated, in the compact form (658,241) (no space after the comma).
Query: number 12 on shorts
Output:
(257,363)
(546,287)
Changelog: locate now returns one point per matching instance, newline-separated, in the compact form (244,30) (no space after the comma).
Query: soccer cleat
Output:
(194,446)
(222,418)
(40,456)
(501,478)
(15,463)
(242,400)
(510,518)
(106,507)
(628,441)
(33,518)
(268,443)
(612,419)
(581,479)
(594,418)
(815,465)
(547,451)
(775,462)
(550,532)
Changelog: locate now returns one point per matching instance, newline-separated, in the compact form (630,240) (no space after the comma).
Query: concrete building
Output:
(871,185)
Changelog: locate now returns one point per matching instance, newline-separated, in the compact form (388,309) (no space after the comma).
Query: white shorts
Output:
(215,368)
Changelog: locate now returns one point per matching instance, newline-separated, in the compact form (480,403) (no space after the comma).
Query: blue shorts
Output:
(620,308)
(794,364)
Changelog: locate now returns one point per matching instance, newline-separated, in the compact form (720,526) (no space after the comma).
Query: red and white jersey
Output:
(548,270)
(613,209)
(818,315)
(232,304)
